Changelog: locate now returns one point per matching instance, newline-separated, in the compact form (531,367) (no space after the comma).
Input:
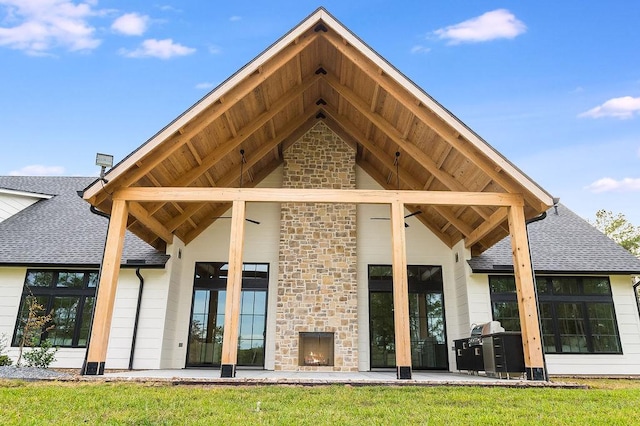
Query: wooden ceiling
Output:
(319,71)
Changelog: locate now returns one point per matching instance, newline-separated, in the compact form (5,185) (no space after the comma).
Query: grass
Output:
(613,402)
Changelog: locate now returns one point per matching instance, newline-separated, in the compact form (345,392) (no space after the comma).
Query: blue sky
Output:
(554,86)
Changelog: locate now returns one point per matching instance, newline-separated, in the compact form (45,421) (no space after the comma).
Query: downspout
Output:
(535,287)
(135,322)
(637,295)
(93,309)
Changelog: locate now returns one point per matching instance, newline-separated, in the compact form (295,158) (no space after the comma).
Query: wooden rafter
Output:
(427,116)
(242,89)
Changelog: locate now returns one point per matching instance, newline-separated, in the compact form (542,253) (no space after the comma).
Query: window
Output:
(576,313)
(68,296)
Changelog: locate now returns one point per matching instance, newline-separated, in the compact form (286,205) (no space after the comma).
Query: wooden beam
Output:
(382,182)
(394,134)
(143,216)
(400,289)
(204,224)
(227,147)
(295,128)
(483,230)
(426,115)
(147,157)
(283,195)
(382,156)
(234,291)
(526,295)
(106,293)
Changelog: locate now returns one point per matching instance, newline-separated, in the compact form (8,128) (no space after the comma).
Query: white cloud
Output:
(131,24)
(37,26)
(169,8)
(492,25)
(163,49)
(608,184)
(235,18)
(38,170)
(205,85)
(623,108)
(420,49)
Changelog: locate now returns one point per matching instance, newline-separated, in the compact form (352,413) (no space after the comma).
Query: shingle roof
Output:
(61,230)
(562,243)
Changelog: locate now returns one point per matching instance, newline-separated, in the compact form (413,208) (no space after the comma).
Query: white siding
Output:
(11,203)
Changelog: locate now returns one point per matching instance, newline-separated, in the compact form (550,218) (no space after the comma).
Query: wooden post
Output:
(527,302)
(400,292)
(101,323)
(234,292)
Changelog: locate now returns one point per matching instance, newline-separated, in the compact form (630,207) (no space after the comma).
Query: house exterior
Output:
(317,211)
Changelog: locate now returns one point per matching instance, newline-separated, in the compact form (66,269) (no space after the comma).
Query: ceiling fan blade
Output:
(229,217)
(380,218)
(413,214)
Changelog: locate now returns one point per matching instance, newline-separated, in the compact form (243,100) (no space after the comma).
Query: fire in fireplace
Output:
(316,349)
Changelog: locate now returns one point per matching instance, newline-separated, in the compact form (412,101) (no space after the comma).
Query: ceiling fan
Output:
(242,162)
(406,225)
(396,162)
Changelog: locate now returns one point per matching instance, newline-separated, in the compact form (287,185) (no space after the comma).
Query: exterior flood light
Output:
(104,161)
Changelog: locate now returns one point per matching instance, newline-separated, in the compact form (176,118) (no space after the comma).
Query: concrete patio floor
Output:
(362,378)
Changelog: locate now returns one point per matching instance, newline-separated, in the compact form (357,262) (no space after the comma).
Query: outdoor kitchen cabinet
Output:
(503,354)
(468,356)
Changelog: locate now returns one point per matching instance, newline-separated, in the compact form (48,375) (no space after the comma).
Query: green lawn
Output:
(614,402)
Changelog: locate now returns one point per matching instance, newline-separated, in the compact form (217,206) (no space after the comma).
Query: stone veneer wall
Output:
(317,282)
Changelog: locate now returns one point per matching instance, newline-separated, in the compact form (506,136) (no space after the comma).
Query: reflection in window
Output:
(69,296)
(576,313)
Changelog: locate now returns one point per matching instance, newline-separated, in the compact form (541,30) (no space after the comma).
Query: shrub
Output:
(4,359)
(41,356)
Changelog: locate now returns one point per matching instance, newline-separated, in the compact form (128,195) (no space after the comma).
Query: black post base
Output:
(403,373)
(92,369)
(228,370)
(536,373)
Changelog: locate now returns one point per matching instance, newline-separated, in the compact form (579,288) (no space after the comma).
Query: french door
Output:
(208,309)
(426,317)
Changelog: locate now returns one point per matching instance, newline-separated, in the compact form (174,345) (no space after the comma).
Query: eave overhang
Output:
(319,71)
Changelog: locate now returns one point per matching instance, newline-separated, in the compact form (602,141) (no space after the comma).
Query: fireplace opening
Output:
(316,349)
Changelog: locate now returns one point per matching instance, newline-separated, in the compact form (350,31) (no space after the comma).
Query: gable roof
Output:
(562,243)
(318,71)
(60,230)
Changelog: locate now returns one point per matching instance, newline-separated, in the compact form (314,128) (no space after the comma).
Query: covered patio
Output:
(175,186)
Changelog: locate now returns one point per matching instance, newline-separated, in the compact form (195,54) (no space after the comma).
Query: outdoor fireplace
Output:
(316,349)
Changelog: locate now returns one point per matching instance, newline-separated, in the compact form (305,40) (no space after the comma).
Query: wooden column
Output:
(525,289)
(101,323)
(400,292)
(234,292)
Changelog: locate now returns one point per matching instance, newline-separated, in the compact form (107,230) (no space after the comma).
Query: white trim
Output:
(25,194)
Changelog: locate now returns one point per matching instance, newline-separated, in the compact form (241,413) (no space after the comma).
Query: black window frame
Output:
(53,291)
(547,295)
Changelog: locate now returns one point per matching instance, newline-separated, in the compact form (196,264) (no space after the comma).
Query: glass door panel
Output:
(207,324)
(383,351)
(207,327)
(426,318)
